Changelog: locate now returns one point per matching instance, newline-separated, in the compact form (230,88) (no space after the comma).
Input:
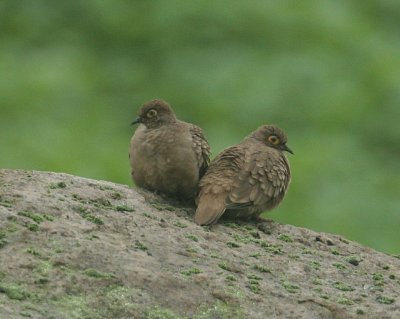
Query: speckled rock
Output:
(72,247)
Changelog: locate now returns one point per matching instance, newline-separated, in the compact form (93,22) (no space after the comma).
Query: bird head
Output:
(155,113)
(272,136)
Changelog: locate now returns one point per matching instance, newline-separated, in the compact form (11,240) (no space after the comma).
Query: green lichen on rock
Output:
(335,252)
(161,313)
(57,185)
(6,202)
(191,271)
(345,301)
(219,310)
(354,260)
(289,287)
(33,251)
(163,206)
(286,238)
(385,300)
(262,268)
(3,240)
(315,264)
(232,244)
(253,277)
(230,278)
(254,286)
(124,208)
(225,266)
(14,291)
(342,286)
(32,227)
(140,245)
(339,266)
(180,224)
(377,277)
(255,255)
(275,249)
(97,274)
(192,237)
(84,212)
(35,217)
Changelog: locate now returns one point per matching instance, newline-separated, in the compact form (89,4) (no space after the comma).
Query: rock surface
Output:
(72,247)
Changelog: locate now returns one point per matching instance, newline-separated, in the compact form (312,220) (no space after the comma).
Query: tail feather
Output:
(210,208)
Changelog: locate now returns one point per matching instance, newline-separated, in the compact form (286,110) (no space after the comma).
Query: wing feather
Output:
(216,185)
(261,183)
(201,148)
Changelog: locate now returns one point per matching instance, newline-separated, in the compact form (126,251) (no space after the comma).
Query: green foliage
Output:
(74,74)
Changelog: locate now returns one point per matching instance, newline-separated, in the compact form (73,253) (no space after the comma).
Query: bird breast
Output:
(163,151)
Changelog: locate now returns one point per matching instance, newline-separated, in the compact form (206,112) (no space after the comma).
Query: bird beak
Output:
(137,120)
(287,149)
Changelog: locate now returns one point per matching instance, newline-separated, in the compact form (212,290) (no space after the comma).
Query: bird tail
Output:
(209,209)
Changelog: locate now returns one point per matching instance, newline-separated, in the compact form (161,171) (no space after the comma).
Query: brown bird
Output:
(166,154)
(246,179)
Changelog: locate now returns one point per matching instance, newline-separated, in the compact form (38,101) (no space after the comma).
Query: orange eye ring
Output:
(273,139)
(151,113)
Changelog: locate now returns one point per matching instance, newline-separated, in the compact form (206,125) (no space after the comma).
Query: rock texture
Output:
(72,247)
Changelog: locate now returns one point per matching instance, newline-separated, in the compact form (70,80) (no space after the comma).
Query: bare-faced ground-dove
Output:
(246,179)
(167,155)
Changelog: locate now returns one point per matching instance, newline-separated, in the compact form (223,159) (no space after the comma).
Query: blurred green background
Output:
(74,73)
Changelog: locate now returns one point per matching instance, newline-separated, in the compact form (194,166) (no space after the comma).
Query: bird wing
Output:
(201,148)
(261,183)
(216,185)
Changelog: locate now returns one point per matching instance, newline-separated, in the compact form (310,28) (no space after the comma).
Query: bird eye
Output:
(273,139)
(151,113)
